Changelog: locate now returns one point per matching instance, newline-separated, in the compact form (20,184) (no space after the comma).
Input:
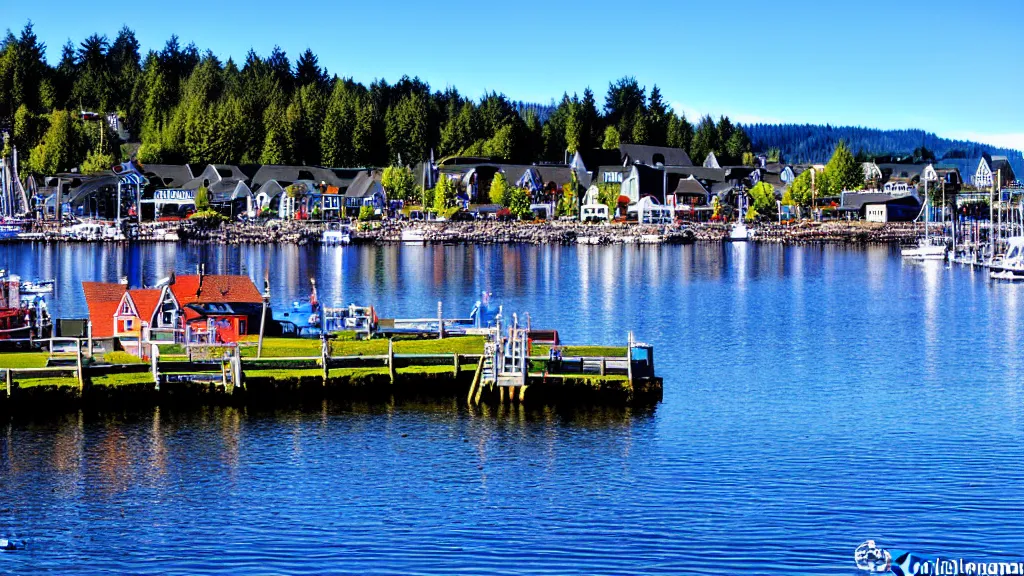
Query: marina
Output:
(768,353)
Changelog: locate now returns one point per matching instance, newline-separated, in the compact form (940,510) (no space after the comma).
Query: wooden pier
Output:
(494,368)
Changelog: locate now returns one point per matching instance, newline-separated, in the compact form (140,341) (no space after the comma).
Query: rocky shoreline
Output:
(303,233)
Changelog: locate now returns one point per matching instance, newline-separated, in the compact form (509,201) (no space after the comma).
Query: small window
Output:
(241,327)
(128,324)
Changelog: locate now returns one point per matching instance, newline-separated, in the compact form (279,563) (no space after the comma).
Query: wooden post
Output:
(263,315)
(154,360)
(325,358)
(88,331)
(391,360)
(604,365)
(78,363)
(457,366)
(9,377)
(440,321)
(629,357)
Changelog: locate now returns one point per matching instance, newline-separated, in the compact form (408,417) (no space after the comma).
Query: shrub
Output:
(207,218)
(366,213)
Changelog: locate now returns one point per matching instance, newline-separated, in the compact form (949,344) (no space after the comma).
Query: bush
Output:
(366,213)
(122,358)
(208,218)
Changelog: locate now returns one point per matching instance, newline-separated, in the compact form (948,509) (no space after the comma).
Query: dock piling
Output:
(392,373)
(78,365)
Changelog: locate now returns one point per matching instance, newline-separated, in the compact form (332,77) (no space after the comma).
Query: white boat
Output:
(739,232)
(40,287)
(94,231)
(1011,265)
(164,235)
(414,235)
(925,249)
(336,234)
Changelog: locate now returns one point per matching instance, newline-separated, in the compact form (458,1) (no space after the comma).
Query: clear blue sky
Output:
(954,68)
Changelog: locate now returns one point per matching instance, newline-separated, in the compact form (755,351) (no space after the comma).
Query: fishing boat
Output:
(1011,265)
(336,234)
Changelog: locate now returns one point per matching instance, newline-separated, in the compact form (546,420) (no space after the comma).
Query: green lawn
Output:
(299,347)
(606,351)
(57,381)
(23,359)
(123,379)
(342,372)
(122,358)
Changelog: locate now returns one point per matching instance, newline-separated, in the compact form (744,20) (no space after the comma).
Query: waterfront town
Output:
(656,193)
(157,148)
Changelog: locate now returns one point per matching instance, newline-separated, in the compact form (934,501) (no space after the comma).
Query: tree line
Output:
(182,104)
(809,143)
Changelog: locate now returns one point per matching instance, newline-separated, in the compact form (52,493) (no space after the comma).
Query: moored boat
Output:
(336,234)
(1011,265)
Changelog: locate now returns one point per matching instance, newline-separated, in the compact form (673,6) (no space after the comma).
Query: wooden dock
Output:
(504,371)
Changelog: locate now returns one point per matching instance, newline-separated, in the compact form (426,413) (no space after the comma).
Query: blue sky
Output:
(954,68)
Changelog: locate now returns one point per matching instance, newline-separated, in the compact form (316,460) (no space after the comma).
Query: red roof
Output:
(103,299)
(146,301)
(220,288)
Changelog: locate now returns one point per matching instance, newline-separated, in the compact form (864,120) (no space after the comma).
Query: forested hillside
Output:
(814,143)
(183,104)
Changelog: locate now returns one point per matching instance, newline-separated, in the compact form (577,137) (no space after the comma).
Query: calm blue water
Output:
(815,397)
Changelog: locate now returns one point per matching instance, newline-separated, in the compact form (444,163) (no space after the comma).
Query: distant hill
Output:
(805,143)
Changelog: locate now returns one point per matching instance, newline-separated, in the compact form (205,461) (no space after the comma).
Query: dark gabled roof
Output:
(773,178)
(217,173)
(364,185)
(90,186)
(167,175)
(855,201)
(646,155)
(272,188)
(339,177)
(689,186)
(902,171)
(598,157)
(702,173)
(652,181)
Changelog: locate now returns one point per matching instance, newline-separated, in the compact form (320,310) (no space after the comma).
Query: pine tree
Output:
(657,119)
(276,142)
(611,138)
(405,126)
(843,171)
(339,121)
(499,192)
(705,140)
(61,147)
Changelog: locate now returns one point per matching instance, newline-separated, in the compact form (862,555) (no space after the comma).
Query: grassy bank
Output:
(296,347)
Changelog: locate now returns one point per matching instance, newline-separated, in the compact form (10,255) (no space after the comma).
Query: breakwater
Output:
(491,232)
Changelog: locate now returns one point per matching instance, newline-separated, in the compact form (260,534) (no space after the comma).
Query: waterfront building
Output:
(365,190)
(989,167)
(201,308)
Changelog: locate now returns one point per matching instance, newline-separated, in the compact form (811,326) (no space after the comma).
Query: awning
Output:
(624,200)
